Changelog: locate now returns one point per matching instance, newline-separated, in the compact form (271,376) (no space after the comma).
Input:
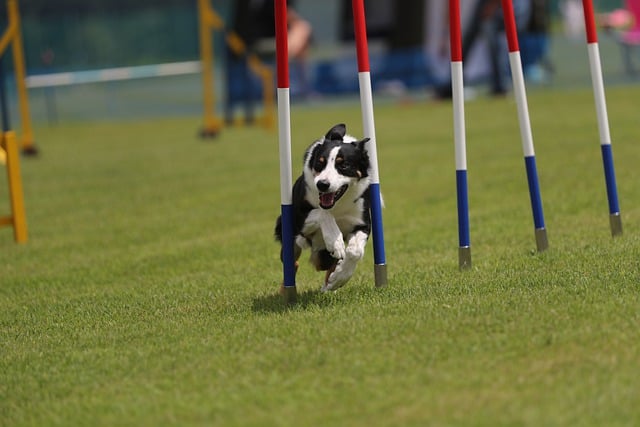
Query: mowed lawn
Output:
(147,292)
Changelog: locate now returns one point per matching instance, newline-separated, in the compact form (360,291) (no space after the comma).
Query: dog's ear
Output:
(360,144)
(337,132)
(363,163)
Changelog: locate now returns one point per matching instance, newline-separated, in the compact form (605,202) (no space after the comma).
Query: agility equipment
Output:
(457,88)
(208,21)
(517,77)
(284,135)
(10,157)
(13,36)
(615,220)
(17,218)
(368,126)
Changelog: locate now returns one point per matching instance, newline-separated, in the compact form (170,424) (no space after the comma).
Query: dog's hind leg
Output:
(347,266)
(322,260)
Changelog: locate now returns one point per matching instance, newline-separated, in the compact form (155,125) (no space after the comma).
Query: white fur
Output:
(329,230)
(347,265)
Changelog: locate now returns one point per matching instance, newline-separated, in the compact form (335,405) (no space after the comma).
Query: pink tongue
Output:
(326,199)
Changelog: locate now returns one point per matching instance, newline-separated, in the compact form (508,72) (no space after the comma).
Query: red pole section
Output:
(360,29)
(590,21)
(455,31)
(510,25)
(282,45)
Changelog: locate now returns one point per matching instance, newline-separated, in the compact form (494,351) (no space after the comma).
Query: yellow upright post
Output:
(18,217)
(28,146)
(268,95)
(207,21)
(268,92)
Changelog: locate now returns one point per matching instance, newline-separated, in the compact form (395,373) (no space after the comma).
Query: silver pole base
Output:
(616,224)
(464,257)
(289,293)
(380,273)
(541,239)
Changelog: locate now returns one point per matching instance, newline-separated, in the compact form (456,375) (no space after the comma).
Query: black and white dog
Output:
(331,206)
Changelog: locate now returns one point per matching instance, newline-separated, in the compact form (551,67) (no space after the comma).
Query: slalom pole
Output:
(517,76)
(457,87)
(615,221)
(284,136)
(366,105)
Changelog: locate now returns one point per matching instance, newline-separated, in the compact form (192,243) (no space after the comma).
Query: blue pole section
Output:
(287,246)
(463,209)
(610,178)
(379,256)
(534,192)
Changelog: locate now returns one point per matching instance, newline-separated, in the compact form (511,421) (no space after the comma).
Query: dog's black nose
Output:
(323,185)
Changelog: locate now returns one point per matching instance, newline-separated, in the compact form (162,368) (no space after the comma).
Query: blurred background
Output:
(408,45)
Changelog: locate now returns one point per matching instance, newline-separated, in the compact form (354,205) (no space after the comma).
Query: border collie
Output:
(331,206)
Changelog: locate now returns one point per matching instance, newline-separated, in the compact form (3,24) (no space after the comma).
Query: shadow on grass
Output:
(276,303)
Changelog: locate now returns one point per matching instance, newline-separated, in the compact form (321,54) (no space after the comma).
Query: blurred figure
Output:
(254,22)
(573,18)
(300,37)
(625,24)
(535,44)
(487,22)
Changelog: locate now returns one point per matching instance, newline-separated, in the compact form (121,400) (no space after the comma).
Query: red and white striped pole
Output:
(615,221)
(284,136)
(457,90)
(366,104)
(517,76)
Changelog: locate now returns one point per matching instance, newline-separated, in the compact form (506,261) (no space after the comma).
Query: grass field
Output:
(147,293)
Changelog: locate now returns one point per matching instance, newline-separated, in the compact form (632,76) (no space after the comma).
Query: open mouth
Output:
(328,200)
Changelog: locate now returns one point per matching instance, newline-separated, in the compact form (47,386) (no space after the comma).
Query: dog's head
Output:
(336,165)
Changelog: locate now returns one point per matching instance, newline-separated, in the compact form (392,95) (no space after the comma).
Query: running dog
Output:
(331,206)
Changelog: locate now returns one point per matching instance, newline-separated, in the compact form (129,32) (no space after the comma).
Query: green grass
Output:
(147,293)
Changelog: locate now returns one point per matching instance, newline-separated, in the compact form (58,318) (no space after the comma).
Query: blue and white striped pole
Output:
(366,103)
(457,86)
(517,76)
(615,221)
(284,136)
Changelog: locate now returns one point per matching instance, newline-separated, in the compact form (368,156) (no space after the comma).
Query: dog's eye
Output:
(319,163)
(339,160)
(343,165)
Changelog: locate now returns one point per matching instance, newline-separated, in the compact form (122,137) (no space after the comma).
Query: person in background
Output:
(487,22)
(254,22)
(534,46)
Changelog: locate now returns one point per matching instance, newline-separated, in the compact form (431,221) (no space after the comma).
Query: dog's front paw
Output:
(341,275)
(355,246)
(337,248)
(332,236)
